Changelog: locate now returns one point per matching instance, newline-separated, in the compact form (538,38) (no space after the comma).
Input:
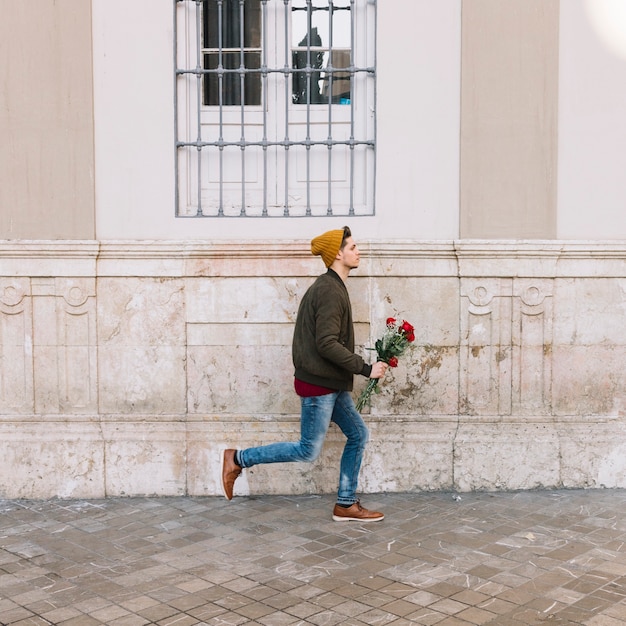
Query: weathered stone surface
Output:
(126,366)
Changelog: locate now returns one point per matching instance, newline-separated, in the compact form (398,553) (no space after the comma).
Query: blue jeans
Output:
(317,413)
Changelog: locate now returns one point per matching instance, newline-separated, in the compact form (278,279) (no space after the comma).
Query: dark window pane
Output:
(222,31)
(231,24)
(231,81)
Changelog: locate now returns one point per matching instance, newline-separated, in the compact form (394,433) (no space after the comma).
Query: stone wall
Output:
(126,366)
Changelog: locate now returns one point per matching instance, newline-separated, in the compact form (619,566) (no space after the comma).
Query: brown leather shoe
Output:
(230,472)
(355,513)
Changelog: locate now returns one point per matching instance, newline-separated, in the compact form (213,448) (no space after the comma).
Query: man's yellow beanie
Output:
(327,246)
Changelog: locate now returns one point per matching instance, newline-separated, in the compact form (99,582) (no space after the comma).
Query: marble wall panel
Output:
(485,341)
(532,341)
(141,311)
(424,383)
(407,455)
(588,380)
(141,337)
(145,458)
(234,368)
(243,299)
(506,456)
(138,380)
(49,326)
(241,379)
(359,290)
(65,345)
(45,345)
(426,379)
(590,311)
(16,347)
(361,341)
(430,304)
(41,460)
(506,339)
(588,352)
(593,454)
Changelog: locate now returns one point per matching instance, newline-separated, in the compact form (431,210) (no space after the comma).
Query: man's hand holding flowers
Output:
(393,344)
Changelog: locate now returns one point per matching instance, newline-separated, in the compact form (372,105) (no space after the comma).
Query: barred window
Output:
(275,107)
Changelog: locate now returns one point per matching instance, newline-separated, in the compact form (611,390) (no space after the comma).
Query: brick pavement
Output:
(505,559)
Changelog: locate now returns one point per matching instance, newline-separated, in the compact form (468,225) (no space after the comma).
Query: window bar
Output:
(242,98)
(199,102)
(352,88)
(358,146)
(375,9)
(264,88)
(309,26)
(176,155)
(329,210)
(287,99)
(220,100)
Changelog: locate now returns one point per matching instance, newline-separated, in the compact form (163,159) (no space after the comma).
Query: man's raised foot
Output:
(230,472)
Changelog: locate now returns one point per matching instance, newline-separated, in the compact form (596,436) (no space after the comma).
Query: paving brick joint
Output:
(504,558)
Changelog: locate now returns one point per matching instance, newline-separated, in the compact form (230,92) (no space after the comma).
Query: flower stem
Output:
(366,393)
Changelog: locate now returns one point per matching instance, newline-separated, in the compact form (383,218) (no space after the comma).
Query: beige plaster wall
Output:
(46,120)
(509,106)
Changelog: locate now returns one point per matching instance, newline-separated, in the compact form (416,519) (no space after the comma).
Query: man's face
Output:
(349,254)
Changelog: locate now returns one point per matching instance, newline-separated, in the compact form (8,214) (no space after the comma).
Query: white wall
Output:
(419,87)
(418,127)
(592,120)
(134,118)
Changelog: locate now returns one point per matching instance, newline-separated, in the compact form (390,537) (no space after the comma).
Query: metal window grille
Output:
(275,107)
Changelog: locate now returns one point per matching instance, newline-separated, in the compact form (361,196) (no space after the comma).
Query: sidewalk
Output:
(541,557)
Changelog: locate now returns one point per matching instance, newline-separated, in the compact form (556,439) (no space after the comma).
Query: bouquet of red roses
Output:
(393,344)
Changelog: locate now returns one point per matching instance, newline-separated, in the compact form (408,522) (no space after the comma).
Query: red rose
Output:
(410,337)
(393,361)
(391,321)
(406,327)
